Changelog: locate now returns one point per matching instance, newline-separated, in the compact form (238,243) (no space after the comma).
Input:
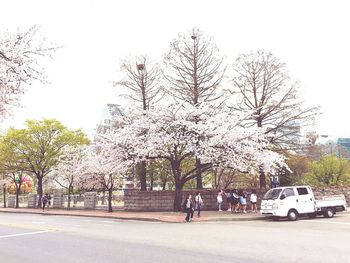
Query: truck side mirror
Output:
(282,196)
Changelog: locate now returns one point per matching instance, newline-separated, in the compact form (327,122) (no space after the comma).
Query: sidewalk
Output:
(168,217)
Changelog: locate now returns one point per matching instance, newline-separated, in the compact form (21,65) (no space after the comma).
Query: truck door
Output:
(288,201)
(305,200)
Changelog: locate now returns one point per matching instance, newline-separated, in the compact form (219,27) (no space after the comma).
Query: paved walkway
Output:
(170,217)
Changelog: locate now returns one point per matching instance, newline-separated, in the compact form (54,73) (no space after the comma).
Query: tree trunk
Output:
(164,185)
(175,167)
(143,174)
(199,174)
(4,195)
(18,192)
(262,178)
(40,190)
(178,198)
(151,182)
(69,198)
(103,196)
(110,196)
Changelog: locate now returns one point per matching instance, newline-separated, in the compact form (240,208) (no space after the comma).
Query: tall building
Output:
(345,146)
(110,118)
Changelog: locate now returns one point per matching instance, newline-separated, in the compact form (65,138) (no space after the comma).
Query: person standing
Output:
(45,200)
(235,201)
(243,201)
(219,199)
(188,207)
(198,203)
(253,201)
(228,194)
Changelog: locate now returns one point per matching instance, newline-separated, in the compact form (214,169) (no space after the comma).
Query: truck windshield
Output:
(272,194)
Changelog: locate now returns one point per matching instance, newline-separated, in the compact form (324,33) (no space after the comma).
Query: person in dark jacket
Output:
(45,200)
(188,207)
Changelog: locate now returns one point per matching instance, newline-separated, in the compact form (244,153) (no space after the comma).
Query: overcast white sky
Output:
(311,37)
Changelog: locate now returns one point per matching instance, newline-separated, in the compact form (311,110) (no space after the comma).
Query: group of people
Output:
(189,206)
(237,200)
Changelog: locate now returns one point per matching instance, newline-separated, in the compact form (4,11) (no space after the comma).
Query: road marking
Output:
(28,233)
(38,222)
(99,221)
(87,220)
(27,226)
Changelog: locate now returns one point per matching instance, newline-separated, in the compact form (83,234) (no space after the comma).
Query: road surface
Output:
(29,238)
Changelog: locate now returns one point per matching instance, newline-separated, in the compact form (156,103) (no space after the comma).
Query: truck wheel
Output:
(329,212)
(292,215)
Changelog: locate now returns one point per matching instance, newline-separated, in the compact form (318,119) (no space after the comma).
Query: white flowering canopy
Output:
(20,55)
(66,173)
(104,164)
(177,132)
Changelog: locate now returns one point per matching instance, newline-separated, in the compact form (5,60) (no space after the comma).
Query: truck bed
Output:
(336,201)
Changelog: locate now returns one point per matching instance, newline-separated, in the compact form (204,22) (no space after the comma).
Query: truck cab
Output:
(289,201)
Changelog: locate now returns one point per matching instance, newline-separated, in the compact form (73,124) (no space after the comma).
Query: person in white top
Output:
(253,201)
(198,203)
(219,199)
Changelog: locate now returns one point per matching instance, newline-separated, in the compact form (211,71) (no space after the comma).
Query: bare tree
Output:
(20,54)
(263,87)
(223,178)
(142,80)
(194,72)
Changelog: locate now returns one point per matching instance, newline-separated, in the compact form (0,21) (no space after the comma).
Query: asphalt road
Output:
(39,238)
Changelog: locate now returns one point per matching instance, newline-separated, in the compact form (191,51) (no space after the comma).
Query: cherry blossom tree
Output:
(105,165)
(142,82)
(20,58)
(170,133)
(194,71)
(66,173)
(262,85)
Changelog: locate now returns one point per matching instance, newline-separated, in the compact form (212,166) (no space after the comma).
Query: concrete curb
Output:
(146,219)
(94,216)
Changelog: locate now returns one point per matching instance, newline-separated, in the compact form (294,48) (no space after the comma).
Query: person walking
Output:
(44,200)
(198,203)
(253,201)
(188,207)
(219,199)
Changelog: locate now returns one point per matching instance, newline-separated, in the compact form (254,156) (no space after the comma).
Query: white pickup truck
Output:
(295,201)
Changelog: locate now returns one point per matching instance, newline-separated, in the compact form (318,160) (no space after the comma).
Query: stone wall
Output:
(57,200)
(90,199)
(11,201)
(136,200)
(32,199)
